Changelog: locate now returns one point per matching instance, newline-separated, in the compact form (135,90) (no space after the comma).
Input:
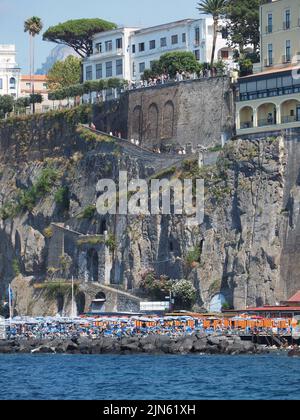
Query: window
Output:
(272,83)
(152,45)
(119,67)
(108,46)
(163,42)
(99,47)
(133,49)
(288,51)
(109,69)
(197,54)
(12,82)
(142,67)
(119,43)
(197,36)
(133,69)
(174,39)
(99,73)
(142,47)
(225,54)
(287,23)
(270,54)
(89,73)
(184,38)
(270,23)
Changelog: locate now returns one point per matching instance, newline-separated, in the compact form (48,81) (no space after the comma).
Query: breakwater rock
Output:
(134,345)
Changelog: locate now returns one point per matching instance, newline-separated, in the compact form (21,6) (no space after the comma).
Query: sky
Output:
(141,13)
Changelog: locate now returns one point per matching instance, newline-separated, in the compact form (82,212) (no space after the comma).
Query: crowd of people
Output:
(63,328)
(179,77)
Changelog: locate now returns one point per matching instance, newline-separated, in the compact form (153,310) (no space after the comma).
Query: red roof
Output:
(275,309)
(295,298)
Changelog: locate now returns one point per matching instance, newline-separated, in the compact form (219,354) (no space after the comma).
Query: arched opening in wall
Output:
(103,227)
(267,114)
(12,83)
(137,120)
(216,303)
(60,302)
(152,123)
(80,303)
(93,265)
(168,121)
(246,117)
(98,304)
(290,111)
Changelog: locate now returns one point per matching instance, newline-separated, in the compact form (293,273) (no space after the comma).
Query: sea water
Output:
(39,377)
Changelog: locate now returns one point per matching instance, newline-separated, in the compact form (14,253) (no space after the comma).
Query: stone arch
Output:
(267,114)
(137,121)
(60,301)
(216,303)
(246,117)
(93,265)
(98,304)
(152,123)
(168,121)
(290,111)
(80,303)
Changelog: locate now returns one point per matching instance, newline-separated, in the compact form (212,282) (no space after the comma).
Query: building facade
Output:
(9,71)
(127,52)
(269,100)
(40,87)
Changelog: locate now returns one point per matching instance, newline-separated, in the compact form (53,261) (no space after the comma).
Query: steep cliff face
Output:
(242,250)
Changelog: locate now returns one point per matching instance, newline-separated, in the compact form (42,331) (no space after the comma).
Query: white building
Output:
(127,52)
(9,71)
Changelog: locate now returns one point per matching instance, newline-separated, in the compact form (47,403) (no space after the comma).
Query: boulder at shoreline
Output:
(154,344)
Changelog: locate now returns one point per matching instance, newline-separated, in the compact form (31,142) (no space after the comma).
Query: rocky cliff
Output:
(245,249)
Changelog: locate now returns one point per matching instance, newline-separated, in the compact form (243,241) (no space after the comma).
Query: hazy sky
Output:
(123,12)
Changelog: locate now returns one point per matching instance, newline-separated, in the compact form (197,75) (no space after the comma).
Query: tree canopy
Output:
(216,9)
(173,62)
(6,105)
(78,34)
(64,73)
(33,25)
(243,23)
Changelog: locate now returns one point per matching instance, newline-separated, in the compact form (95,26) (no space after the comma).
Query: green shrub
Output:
(111,243)
(88,212)
(193,256)
(16,267)
(185,294)
(61,198)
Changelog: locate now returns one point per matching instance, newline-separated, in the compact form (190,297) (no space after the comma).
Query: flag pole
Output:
(72,315)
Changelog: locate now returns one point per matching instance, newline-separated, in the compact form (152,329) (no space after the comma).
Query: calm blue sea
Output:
(149,377)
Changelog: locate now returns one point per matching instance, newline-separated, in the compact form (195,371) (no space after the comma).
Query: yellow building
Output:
(269,100)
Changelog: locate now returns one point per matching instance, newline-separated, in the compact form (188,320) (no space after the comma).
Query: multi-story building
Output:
(9,71)
(269,100)
(127,52)
(40,87)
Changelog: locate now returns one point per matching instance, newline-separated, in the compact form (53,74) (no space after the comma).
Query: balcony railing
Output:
(266,121)
(289,119)
(269,93)
(247,124)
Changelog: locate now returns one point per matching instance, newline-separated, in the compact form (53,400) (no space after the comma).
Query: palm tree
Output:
(33,26)
(215,8)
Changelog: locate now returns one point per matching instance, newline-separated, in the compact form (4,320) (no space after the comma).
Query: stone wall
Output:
(169,116)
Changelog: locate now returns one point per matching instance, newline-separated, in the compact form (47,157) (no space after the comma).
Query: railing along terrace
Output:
(268,93)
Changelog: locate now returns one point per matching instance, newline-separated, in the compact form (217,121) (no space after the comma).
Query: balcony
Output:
(266,121)
(269,93)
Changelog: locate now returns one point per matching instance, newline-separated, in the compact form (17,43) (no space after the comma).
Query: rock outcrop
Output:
(49,174)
